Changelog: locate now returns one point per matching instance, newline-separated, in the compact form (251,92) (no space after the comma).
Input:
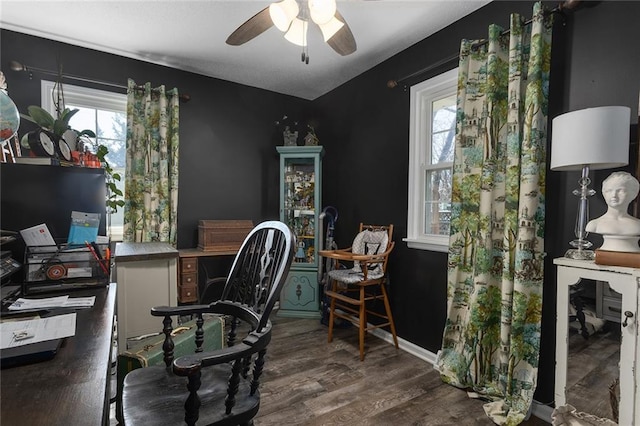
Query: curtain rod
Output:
(566,5)
(17,66)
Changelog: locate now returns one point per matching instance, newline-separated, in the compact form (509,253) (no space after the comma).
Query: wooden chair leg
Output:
(192,404)
(387,308)
(363,322)
(332,307)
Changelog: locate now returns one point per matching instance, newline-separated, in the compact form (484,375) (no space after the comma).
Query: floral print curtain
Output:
(491,338)
(151,175)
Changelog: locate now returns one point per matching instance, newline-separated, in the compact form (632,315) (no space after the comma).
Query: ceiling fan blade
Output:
(253,27)
(343,41)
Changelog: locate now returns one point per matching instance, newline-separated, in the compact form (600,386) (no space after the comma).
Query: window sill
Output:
(435,243)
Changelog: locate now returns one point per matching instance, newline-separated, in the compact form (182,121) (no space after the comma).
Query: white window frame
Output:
(94,98)
(100,99)
(422,96)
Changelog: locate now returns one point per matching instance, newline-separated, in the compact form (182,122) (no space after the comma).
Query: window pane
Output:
(444,112)
(437,204)
(442,147)
(111,125)
(443,129)
(84,119)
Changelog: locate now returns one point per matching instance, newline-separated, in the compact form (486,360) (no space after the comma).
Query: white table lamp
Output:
(592,138)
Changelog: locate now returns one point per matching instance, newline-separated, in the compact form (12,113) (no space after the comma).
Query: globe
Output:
(9,117)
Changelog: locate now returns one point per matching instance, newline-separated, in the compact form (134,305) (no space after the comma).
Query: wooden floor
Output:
(308,381)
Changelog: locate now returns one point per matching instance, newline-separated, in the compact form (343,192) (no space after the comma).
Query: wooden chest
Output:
(222,235)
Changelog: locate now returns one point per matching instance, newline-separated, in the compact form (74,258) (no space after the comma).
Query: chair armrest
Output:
(252,343)
(340,254)
(163,311)
(347,255)
(219,307)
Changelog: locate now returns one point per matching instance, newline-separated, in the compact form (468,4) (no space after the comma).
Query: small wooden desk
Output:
(73,388)
(188,288)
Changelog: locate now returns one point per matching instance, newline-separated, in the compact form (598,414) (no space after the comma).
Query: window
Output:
(431,146)
(106,114)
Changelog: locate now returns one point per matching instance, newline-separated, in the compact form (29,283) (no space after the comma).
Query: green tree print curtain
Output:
(495,271)
(151,174)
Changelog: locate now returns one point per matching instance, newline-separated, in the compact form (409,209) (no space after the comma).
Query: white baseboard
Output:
(538,409)
(406,346)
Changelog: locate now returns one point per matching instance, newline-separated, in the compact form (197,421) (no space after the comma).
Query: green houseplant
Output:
(114,193)
(55,126)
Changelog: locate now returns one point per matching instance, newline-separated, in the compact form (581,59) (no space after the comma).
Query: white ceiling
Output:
(190,35)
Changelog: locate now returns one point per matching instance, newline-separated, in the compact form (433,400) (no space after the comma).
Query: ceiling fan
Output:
(292,17)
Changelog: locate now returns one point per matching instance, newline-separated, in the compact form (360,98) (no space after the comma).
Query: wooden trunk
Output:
(222,235)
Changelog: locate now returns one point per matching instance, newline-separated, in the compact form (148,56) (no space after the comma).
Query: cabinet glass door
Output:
(593,353)
(299,209)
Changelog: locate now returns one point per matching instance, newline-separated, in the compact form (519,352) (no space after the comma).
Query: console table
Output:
(73,387)
(625,281)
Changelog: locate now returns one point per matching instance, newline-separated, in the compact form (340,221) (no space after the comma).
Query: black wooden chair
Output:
(218,387)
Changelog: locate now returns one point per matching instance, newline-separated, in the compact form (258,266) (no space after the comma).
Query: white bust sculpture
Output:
(619,229)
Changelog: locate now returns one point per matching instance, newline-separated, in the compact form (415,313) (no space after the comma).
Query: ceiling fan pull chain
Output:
(305,54)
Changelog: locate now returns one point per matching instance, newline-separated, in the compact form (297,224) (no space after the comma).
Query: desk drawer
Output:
(188,264)
(608,302)
(188,280)
(188,294)
(612,309)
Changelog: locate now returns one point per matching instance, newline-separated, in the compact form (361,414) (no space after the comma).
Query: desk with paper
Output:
(73,387)
(33,339)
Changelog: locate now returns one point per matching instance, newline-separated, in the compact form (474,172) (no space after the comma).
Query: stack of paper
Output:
(19,333)
(52,302)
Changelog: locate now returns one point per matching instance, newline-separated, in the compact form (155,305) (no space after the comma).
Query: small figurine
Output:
(290,138)
(311,139)
(300,255)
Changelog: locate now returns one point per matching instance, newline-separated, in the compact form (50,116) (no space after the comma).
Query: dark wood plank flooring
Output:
(308,381)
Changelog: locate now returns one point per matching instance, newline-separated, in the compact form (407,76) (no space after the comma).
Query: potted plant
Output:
(54,135)
(114,194)
(62,135)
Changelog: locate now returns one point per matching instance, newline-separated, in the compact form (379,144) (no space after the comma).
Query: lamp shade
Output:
(282,13)
(322,11)
(595,137)
(297,33)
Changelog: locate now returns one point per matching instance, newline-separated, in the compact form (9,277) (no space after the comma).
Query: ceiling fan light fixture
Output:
(330,28)
(297,33)
(322,11)
(282,13)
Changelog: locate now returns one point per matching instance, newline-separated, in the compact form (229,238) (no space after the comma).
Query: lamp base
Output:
(580,254)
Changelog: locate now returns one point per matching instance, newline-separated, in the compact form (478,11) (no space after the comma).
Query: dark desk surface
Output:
(196,252)
(73,387)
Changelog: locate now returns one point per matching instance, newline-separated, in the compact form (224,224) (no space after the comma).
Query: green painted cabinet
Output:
(300,206)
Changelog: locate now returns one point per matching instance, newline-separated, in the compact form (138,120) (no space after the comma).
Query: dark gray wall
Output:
(228,161)
(596,61)
(229,168)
